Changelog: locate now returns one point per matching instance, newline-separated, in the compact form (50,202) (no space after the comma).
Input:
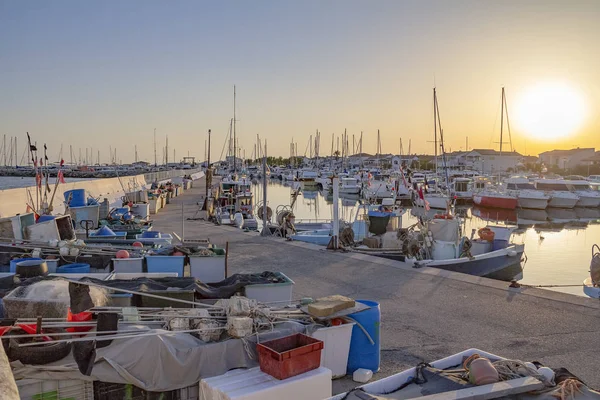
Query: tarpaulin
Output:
(161,362)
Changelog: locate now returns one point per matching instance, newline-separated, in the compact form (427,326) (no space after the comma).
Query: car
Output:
(594,178)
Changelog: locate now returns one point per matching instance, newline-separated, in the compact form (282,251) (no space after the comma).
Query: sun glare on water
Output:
(550,111)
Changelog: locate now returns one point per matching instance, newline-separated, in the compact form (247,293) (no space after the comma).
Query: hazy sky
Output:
(106,73)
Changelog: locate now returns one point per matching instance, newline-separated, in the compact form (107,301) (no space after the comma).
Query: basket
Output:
(289,356)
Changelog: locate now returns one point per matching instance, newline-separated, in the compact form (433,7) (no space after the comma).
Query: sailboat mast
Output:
(155,160)
(234,135)
(435,117)
(501,121)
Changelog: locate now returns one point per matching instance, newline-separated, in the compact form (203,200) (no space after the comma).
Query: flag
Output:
(427,208)
(421,193)
(61,177)
(62,162)
(32,147)
(38,180)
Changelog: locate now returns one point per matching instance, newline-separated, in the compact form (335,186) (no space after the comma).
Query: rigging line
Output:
(508,123)
(494,126)
(226,140)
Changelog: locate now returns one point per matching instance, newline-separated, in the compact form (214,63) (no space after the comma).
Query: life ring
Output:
(486,234)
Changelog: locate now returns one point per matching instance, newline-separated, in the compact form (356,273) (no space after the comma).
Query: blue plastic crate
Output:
(165,264)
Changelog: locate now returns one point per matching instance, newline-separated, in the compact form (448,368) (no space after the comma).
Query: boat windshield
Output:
(552,186)
(517,186)
(581,186)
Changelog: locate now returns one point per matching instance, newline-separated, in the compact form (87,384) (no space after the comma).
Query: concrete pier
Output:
(427,314)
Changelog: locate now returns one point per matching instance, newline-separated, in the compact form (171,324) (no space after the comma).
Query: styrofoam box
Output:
(253,384)
(271,292)
(208,269)
(393,382)
(30,389)
(133,265)
(336,347)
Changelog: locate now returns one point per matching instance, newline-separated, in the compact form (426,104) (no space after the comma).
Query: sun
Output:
(550,111)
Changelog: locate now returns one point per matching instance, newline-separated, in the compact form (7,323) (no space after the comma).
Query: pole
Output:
(208,169)
(182,225)
(501,121)
(234,136)
(336,219)
(265,230)
(155,160)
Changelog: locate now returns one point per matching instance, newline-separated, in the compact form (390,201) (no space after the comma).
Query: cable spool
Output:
(595,265)
(259,213)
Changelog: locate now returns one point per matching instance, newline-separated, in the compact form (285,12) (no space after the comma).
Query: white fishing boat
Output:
(461,189)
(560,195)
(587,196)
(350,186)
(527,196)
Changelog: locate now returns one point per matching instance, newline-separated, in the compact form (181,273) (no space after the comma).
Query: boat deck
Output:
(427,313)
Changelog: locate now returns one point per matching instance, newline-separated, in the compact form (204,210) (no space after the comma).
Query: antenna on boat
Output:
(234,135)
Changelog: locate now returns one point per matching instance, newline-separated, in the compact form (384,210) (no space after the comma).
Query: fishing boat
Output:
(440,245)
(560,195)
(235,197)
(495,199)
(350,186)
(527,196)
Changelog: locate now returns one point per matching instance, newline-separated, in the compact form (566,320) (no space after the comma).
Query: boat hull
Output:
(506,203)
(591,290)
(503,264)
(533,203)
(438,202)
(562,202)
(591,201)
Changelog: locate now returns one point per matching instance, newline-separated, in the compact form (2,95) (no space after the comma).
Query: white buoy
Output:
(238,219)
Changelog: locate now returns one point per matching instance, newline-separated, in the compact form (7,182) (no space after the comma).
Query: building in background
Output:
(567,159)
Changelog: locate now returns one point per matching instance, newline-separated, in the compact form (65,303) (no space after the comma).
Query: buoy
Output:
(138,244)
(122,254)
(547,373)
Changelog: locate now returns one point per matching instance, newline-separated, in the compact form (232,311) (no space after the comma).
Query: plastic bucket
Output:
(13,263)
(74,269)
(364,354)
(75,198)
(499,244)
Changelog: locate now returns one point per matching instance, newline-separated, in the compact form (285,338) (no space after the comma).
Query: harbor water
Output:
(12,182)
(557,242)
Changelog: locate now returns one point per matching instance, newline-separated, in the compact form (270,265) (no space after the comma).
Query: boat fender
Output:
(547,373)
(511,253)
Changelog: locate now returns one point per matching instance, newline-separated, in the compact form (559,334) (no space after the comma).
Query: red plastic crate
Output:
(289,356)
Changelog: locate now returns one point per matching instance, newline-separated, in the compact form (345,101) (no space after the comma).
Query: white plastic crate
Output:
(130,265)
(336,347)
(208,269)
(72,389)
(271,292)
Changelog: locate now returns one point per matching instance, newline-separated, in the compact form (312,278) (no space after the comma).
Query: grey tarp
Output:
(160,363)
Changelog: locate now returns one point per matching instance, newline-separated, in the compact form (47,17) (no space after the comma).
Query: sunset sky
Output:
(106,73)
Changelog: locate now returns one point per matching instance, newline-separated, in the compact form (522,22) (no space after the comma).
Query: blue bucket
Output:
(13,263)
(75,198)
(363,354)
(74,269)
(44,218)
(499,244)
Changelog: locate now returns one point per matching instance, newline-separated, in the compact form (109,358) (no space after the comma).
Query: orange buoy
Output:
(138,244)
(122,254)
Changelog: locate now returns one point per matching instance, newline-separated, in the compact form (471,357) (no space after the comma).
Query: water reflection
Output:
(557,242)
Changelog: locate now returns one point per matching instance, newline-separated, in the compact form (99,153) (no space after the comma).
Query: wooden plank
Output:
(491,391)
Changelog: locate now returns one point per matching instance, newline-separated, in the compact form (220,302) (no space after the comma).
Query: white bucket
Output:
(336,347)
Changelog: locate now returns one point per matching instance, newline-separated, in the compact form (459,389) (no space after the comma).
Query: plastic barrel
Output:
(75,198)
(363,354)
(13,263)
(74,269)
